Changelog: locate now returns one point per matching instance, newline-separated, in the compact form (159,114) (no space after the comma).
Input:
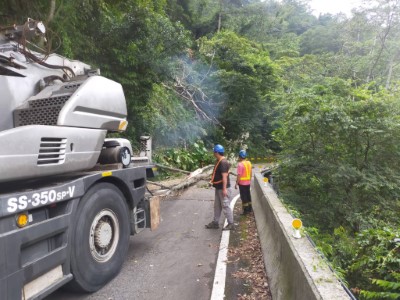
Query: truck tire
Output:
(100,238)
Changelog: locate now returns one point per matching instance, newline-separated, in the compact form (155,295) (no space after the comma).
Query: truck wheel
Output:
(100,238)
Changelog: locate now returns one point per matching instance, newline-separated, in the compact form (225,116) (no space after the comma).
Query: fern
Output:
(386,284)
(391,289)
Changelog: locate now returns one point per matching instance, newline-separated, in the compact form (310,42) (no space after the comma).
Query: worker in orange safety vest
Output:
(243,180)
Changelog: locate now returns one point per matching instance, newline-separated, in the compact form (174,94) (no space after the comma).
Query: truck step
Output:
(139,220)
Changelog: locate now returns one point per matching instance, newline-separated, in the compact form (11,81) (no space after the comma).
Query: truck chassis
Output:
(71,229)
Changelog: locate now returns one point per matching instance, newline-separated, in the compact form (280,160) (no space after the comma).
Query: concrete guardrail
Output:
(294,268)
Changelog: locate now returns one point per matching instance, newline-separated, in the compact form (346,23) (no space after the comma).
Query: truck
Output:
(70,198)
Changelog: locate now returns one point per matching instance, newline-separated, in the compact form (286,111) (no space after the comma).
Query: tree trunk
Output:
(172,169)
(389,76)
(52,10)
(219,16)
(390,69)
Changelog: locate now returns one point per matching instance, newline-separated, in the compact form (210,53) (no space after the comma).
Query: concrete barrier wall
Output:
(294,268)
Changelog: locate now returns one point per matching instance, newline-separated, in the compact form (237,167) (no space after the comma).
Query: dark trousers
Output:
(245,196)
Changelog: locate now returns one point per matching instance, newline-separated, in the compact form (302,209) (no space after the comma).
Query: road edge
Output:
(218,289)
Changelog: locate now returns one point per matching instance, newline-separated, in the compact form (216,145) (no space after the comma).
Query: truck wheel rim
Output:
(104,235)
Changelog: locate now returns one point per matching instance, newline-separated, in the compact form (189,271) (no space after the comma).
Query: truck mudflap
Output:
(35,259)
(154,203)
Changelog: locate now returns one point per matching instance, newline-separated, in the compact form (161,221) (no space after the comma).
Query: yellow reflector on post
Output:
(22,220)
(297,224)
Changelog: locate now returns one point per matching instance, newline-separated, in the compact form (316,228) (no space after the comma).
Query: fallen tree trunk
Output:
(158,184)
(190,181)
(195,176)
(192,178)
(173,169)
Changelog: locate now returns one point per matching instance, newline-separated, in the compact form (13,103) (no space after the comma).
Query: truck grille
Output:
(52,151)
(72,86)
(40,112)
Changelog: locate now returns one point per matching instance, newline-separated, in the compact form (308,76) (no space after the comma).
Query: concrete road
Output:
(176,261)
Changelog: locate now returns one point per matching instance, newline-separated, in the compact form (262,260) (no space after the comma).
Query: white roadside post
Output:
(297,224)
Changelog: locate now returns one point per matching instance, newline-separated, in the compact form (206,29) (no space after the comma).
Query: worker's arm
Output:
(239,174)
(224,184)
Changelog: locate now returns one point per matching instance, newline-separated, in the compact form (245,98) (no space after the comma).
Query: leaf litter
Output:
(247,250)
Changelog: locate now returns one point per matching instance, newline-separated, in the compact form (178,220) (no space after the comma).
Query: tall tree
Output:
(240,86)
(373,41)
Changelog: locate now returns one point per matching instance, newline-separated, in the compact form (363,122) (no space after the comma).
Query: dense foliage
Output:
(189,159)
(320,92)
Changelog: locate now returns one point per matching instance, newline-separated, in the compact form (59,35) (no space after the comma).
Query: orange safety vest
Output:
(215,169)
(247,167)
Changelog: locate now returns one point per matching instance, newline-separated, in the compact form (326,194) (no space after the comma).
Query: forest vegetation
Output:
(321,93)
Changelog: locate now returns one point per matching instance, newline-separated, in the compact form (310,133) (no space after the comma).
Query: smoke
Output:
(193,101)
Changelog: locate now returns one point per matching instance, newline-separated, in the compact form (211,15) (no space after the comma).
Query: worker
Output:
(243,180)
(220,181)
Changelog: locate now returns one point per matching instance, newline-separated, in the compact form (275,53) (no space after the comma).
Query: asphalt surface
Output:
(176,261)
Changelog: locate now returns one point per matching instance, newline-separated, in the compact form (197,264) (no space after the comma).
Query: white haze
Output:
(333,6)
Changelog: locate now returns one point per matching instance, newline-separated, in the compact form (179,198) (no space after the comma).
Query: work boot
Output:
(244,212)
(230,226)
(212,225)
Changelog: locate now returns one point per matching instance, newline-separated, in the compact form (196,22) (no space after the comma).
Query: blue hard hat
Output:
(242,154)
(218,148)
